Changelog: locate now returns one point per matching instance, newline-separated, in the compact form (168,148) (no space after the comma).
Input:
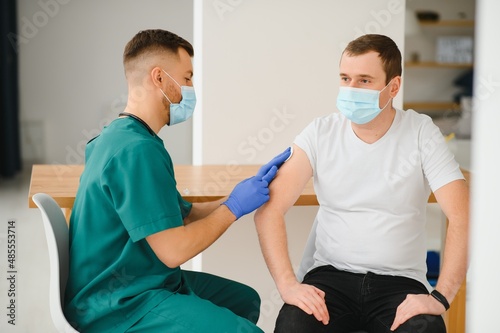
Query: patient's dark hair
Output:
(386,48)
(156,40)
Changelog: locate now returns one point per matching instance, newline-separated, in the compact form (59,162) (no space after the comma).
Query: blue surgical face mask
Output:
(360,105)
(183,110)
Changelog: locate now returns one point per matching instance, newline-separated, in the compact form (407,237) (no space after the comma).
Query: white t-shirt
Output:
(373,197)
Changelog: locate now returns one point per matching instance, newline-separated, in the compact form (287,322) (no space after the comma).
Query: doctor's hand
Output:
(253,192)
(276,161)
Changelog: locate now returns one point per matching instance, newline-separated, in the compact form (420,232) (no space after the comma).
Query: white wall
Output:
(270,67)
(484,289)
(267,69)
(71,83)
(71,73)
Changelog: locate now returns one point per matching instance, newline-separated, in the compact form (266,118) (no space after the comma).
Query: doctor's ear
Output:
(156,76)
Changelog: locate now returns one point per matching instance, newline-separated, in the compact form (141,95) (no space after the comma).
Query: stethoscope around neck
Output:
(133,116)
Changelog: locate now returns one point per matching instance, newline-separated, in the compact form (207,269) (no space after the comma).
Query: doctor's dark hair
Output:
(386,48)
(155,40)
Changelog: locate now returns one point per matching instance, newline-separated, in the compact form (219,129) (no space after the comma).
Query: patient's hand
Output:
(308,298)
(414,305)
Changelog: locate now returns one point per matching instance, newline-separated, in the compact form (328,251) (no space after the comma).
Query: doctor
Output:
(374,167)
(131,230)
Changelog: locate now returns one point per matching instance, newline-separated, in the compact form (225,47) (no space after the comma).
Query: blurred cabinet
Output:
(430,84)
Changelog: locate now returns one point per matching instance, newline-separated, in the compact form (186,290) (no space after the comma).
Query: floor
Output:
(31,261)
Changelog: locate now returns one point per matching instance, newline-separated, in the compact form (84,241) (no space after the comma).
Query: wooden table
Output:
(195,183)
(199,184)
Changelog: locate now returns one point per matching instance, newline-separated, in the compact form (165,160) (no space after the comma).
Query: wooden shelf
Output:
(448,23)
(427,106)
(433,64)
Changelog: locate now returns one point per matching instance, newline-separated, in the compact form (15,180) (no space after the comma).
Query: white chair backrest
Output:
(57,235)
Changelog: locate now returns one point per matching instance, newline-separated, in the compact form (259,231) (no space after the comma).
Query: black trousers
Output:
(358,302)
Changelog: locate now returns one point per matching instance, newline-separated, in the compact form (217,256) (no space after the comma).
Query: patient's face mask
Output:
(182,111)
(360,105)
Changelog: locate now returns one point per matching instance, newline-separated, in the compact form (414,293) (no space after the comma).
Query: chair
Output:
(57,235)
(433,267)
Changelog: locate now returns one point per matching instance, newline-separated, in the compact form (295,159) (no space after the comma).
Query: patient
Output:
(374,167)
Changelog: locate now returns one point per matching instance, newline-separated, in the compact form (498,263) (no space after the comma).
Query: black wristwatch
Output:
(440,298)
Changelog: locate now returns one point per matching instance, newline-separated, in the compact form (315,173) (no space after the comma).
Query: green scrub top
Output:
(127,192)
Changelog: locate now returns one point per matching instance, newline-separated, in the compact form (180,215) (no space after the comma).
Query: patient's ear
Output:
(394,86)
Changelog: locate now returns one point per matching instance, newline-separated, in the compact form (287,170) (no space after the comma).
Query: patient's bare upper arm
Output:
(290,181)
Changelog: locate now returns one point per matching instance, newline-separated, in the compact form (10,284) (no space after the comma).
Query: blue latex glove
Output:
(253,192)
